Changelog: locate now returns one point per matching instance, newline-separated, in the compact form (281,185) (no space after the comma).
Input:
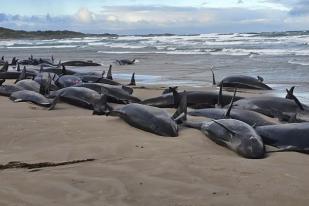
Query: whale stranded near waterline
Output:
(242,81)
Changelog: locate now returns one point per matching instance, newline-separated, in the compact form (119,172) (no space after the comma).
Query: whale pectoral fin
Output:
(228,112)
(18,100)
(286,148)
(54,102)
(181,114)
(227,129)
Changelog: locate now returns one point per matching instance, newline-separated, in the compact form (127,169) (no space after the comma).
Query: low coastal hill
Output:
(6,33)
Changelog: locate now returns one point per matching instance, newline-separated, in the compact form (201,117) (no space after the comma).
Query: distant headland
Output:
(6,33)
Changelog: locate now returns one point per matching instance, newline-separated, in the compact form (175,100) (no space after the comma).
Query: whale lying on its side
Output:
(290,137)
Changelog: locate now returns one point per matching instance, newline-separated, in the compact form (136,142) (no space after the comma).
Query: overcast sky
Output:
(150,16)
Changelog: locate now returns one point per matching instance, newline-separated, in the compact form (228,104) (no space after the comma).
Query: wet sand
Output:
(134,167)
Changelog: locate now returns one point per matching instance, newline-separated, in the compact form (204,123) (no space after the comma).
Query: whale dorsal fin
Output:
(213,76)
(5,67)
(41,68)
(219,103)
(109,73)
(64,71)
(228,112)
(176,96)
(18,67)
(132,82)
(22,75)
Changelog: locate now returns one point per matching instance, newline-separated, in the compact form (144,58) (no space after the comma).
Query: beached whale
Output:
(67,81)
(29,84)
(195,99)
(80,63)
(282,108)
(31,96)
(125,61)
(236,135)
(7,90)
(35,62)
(116,93)
(78,96)
(242,81)
(15,74)
(150,119)
(250,117)
(59,70)
(290,137)
(13,62)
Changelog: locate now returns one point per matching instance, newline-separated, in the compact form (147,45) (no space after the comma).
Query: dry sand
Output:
(134,167)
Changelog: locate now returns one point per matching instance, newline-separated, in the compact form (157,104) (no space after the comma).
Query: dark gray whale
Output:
(242,81)
(151,119)
(233,134)
(290,137)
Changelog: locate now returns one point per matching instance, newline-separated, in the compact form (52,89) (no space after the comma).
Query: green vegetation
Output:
(20,34)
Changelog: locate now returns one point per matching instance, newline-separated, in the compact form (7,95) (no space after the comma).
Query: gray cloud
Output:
(297,7)
(161,19)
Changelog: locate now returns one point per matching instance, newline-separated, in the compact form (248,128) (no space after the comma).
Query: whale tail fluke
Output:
(290,93)
(101,107)
(170,89)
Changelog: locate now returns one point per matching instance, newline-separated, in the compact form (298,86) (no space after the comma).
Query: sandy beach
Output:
(134,167)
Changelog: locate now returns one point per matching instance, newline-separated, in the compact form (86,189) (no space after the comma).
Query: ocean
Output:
(282,58)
